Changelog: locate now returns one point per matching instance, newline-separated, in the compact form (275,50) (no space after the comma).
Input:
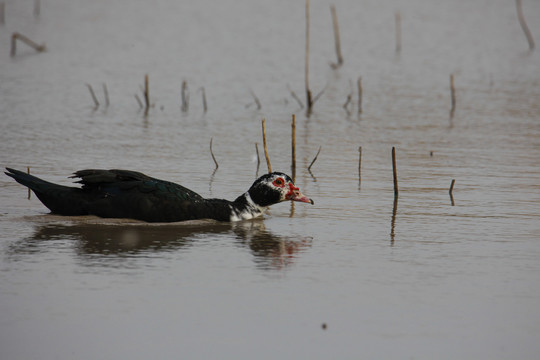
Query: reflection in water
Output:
(393,222)
(271,251)
(114,241)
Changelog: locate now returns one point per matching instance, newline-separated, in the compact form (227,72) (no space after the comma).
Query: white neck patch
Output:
(251,210)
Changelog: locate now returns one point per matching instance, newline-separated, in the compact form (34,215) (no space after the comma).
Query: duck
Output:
(133,195)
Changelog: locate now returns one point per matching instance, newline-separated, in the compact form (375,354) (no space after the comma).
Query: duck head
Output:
(275,187)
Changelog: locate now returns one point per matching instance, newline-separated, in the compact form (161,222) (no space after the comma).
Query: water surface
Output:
(417,278)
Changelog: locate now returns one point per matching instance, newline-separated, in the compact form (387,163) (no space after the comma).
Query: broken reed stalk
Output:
(394,170)
(336,38)
(293,146)
(451,190)
(266,148)
(359,83)
(258,157)
(212,153)
(398,32)
(314,159)
(16,36)
(309,101)
(29,192)
(295,97)
(359,165)
(205,105)
(257,102)
(146,95)
(452,186)
(347,102)
(452,96)
(106,93)
(139,101)
(96,102)
(393,222)
(185,96)
(523,24)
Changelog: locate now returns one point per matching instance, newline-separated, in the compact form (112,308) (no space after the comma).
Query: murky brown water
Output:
(422,279)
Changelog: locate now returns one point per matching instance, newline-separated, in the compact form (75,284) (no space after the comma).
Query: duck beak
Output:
(294,194)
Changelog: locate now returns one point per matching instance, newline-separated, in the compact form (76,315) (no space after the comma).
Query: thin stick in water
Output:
(359,166)
(314,159)
(347,102)
(359,83)
(293,146)
(29,192)
(106,93)
(452,96)
(295,97)
(146,95)
(266,148)
(523,24)
(450,191)
(393,221)
(205,105)
(308,91)
(398,32)
(336,38)
(394,170)
(96,102)
(185,96)
(258,157)
(257,101)
(16,36)
(212,153)
(139,101)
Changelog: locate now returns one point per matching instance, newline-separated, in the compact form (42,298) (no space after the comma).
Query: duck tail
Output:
(63,200)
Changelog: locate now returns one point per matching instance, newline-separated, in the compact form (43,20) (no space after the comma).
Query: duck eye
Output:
(279,182)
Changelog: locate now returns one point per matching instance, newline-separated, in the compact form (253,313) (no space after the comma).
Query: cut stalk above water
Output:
(16,36)
(266,148)
(336,39)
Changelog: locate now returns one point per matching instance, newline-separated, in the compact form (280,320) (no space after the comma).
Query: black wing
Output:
(130,194)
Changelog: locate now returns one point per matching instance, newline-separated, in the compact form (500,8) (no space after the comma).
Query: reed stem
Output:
(266,148)
(96,102)
(16,36)
(450,191)
(359,166)
(524,26)
(212,153)
(359,84)
(258,157)
(398,32)
(205,105)
(452,96)
(29,192)
(308,91)
(336,38)
(185,96)
(295,97)
(106,94)
(257,101)
(293,146)
(139,101)
(314,159)
(394,171)
(146,95)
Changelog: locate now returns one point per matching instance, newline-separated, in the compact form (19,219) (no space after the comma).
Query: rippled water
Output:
(417,278)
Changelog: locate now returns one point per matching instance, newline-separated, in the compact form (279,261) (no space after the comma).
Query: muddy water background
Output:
(433,281)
